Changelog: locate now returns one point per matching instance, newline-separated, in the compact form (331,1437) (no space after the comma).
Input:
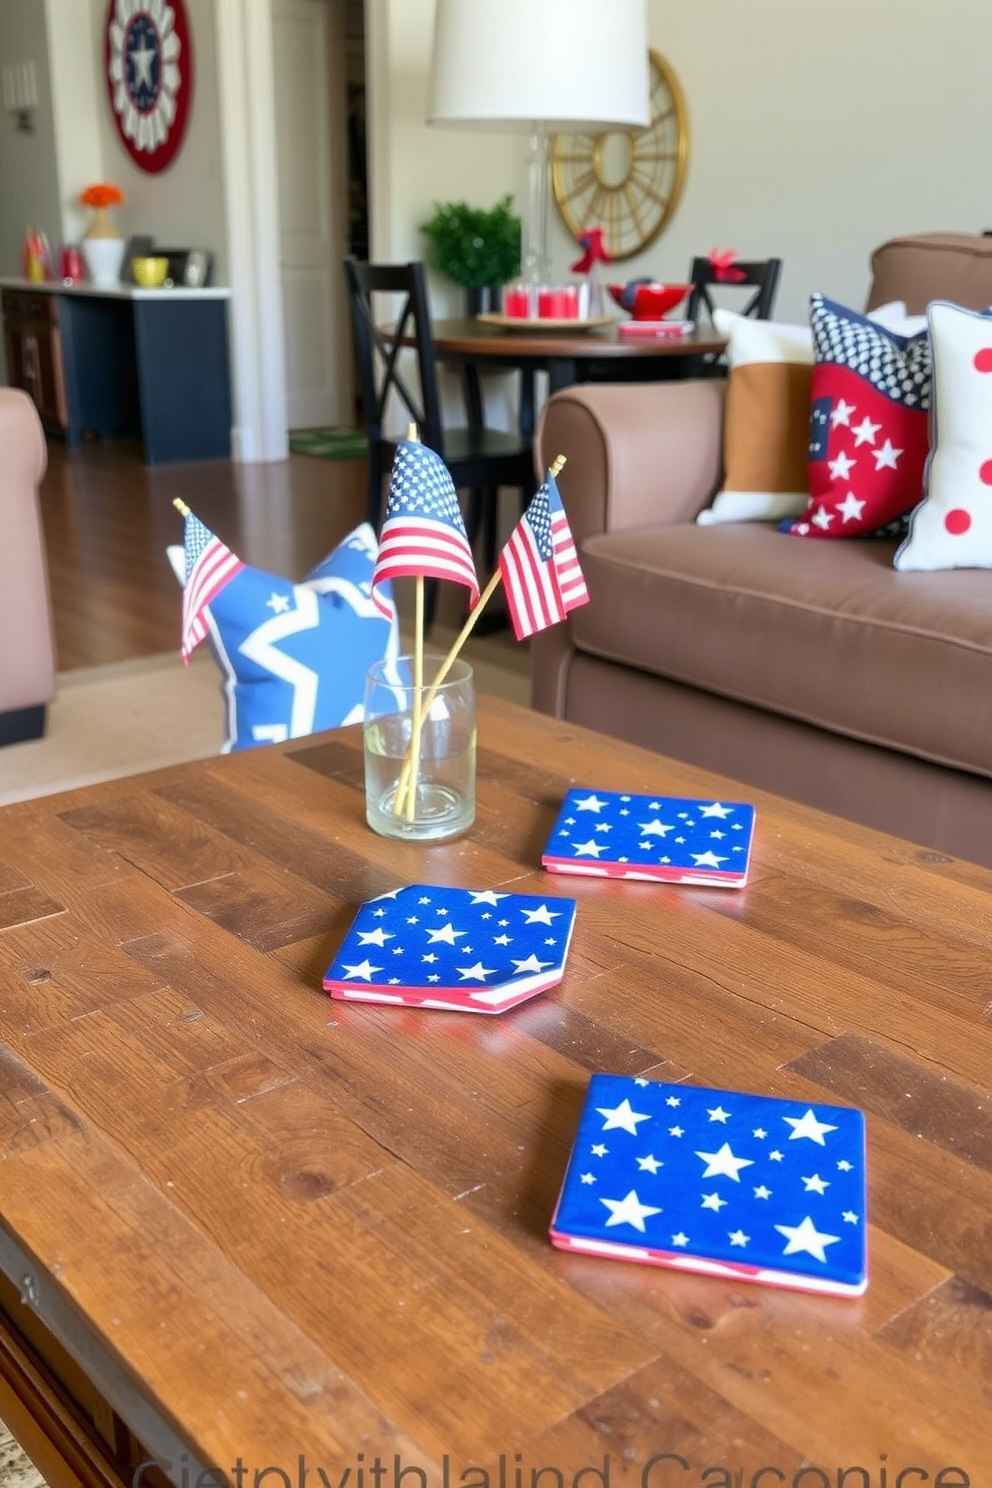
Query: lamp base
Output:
(535,267)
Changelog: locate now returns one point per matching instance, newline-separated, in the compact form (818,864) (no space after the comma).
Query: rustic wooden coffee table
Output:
(293,1243)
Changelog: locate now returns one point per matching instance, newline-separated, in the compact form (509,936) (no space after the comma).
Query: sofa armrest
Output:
(638,453)
(27,654)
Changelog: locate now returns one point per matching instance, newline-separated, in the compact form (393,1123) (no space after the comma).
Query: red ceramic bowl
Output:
(648,300)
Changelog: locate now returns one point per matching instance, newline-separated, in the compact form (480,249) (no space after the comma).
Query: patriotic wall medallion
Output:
(149,71)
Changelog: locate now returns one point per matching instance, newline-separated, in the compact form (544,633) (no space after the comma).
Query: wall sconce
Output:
(20,94)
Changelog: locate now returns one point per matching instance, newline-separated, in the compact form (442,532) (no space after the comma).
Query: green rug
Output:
(329,444)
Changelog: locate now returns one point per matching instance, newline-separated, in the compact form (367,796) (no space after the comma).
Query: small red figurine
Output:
(595,251)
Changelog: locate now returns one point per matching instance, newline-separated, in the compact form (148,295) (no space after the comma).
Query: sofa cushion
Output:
(952,527)
(828,633)
(868,423)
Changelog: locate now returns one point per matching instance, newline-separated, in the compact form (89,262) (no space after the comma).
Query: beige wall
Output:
(815,133)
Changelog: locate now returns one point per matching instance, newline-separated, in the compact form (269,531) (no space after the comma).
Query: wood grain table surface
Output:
(307,1241)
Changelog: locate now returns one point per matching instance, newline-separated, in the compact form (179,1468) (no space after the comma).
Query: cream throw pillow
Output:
(952,526)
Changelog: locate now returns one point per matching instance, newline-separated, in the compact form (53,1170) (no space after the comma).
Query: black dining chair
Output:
(479,458)
(760,276)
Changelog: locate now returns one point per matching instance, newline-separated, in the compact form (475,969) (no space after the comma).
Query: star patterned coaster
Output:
(753,1187)
(671,838)
(469,950)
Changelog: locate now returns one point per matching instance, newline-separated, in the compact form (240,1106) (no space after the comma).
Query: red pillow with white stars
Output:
(952,526)
(869,416)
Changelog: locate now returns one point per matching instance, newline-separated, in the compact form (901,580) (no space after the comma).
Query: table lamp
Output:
(539,67)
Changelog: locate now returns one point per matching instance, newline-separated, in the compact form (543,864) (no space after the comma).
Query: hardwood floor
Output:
(108,520)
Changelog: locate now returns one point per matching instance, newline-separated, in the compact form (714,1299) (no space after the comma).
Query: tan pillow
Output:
(766,426)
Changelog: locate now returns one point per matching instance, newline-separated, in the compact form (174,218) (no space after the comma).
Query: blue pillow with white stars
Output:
(294,656)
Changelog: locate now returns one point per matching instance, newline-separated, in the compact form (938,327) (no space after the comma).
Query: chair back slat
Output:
(380,359)
(760,275)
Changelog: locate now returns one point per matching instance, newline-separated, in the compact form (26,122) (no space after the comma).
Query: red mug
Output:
(71,266)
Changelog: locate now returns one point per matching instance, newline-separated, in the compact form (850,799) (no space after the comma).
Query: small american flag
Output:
(209,567)
(540,566)
(423,532)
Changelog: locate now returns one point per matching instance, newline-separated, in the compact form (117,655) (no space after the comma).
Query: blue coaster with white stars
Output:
(466,950)
(670,838)
(747,1186)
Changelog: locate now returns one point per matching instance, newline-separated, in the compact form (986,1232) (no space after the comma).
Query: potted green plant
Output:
(476,248)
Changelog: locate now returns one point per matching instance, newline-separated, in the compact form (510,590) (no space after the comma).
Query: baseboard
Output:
(21,724)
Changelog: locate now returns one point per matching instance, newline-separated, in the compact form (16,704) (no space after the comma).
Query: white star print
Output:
(476,973)
(864,433)
(716,809)
(621,1116)
(589,803)
(588,1178)
(655,828)
(501,940)
(375,937)
(707,860)
(142,58)
(531,964)
(542,915)
(761,1192)
(598,1150)
(680,1239)
(717,1113)
(738,1237)
(589,849)
(486,896)
(447,933)
(806,1237)
(808,1126)
(649,1164)
(841,467)
(851,508)
(278,604)
(849,1216)
(364,971)
(713,1201)
(816,1184)
(841,413)
(629,1210)
(822,518)
(886,458)
(724,1163)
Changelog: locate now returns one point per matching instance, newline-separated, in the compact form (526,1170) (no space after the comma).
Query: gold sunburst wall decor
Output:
(628,182)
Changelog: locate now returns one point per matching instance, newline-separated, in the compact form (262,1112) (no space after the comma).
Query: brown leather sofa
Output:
(809,668)
(27,638)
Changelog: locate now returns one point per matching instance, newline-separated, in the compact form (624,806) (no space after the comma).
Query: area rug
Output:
(329,444)
(117,720)
(16,1468)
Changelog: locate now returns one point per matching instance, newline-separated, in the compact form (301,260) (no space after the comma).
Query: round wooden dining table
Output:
(602,354)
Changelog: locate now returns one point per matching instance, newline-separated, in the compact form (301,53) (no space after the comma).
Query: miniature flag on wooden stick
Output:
(210,566)
(423,534)
(540,566)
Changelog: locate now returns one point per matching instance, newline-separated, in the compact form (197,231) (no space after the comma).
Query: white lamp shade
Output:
(576,66)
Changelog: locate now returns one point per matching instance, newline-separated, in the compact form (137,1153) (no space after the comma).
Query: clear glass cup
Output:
(419,782)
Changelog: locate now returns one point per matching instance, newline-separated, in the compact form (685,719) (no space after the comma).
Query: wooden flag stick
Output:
(181,506)
(459,642)
(405,802)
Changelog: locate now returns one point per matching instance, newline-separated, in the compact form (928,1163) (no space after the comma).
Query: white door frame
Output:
(246,91)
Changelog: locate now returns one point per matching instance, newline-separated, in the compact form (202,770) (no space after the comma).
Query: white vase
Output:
(103,258)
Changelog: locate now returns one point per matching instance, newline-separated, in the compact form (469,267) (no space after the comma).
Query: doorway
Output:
(319,67)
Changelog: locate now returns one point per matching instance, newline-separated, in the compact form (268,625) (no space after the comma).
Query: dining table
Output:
(581,353)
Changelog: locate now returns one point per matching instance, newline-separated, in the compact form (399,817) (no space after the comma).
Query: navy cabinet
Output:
(151,363)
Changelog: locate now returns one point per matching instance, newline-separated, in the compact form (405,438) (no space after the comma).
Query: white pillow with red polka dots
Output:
(952,526)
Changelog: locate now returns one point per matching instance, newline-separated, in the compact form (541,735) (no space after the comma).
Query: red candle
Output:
(516,303)
(552,304)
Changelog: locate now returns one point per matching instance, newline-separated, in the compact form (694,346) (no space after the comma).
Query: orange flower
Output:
(102,195)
